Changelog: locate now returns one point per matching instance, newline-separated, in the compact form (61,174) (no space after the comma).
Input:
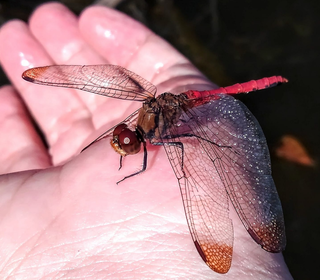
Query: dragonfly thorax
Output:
(159,114)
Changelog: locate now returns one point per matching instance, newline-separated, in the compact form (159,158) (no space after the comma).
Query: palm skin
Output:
(62,214)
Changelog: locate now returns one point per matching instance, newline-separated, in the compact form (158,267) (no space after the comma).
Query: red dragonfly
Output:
(215,146)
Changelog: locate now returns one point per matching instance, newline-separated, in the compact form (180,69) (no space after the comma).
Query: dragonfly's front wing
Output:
(105,79)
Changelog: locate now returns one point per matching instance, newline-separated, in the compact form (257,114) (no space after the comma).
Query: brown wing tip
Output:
(217,256)
(26,76)
(201,253)
(273,243)
(31,75)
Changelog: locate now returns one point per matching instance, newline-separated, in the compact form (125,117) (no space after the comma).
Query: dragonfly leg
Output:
(180,145)
(196,136)
(144,164)
(176,144)
(120,164)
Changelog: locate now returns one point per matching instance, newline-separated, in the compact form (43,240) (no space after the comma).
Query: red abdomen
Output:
(253,85)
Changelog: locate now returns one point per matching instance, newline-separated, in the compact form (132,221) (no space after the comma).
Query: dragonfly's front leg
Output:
(144,163)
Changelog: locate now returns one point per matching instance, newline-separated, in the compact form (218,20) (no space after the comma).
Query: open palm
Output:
(62,214)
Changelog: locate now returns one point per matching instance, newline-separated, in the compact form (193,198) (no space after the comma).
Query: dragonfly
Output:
(214,144)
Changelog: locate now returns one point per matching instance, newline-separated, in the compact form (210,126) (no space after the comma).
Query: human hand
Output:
(68,218)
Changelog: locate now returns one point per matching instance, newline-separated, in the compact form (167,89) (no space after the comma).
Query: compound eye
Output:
(119,128)
(129,141)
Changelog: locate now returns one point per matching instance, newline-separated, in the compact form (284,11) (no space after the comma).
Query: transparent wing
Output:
(227,157)
(205,202)
(108,80)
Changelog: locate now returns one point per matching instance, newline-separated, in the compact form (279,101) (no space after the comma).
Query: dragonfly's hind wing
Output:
(238,150)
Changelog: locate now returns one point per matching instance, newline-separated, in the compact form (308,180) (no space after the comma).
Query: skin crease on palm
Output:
(62,214)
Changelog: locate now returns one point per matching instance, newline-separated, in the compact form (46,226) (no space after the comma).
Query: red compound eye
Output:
(129,141)
(119,128)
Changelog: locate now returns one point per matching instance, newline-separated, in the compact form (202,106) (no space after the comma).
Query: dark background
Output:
(235,41)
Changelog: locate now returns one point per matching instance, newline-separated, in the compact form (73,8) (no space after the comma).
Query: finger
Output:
(20,146)
(57,29)
(20,51)
(57,112)
(122,40)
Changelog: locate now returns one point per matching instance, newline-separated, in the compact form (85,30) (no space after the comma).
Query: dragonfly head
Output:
(125,141)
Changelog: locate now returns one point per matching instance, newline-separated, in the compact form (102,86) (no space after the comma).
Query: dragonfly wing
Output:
(232,140)
(108,80)
(205,202)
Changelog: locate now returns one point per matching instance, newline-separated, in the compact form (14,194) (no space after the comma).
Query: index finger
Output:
(122,40)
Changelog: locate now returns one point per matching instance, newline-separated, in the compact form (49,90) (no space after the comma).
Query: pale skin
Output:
(62,214)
